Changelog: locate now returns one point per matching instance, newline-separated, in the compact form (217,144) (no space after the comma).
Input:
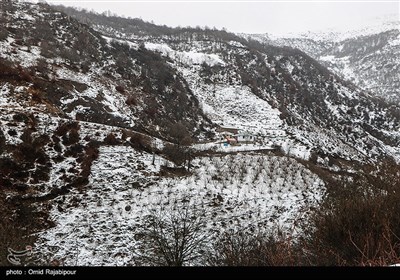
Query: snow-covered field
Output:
(243,192)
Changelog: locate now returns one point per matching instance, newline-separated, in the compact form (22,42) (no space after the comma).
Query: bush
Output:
(26,151)
(69,54)
(175,153)
(179,134)
(63,128)
(131,100)
(120,89)
(71,137)
(141,142)
(3,33)
(74,151)
(25,76)
(42,66)
(2,142)
(111,139)
(20,117)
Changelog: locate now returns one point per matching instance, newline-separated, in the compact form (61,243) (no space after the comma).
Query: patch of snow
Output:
(235,106)
(329,58)
(395,43)
(188,58)
(131,44)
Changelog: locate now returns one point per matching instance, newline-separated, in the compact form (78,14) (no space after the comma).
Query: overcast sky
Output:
(273,17)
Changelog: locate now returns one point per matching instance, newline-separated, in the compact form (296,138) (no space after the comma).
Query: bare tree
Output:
(172,238)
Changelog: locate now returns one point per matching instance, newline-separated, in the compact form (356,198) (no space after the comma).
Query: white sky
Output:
(276,17)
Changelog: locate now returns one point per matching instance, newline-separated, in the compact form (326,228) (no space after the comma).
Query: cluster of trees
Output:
(138,26)
(303,86)
(179,151)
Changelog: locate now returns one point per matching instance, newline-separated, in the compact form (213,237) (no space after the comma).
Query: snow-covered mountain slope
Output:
(368,57)
(372,62)
(336,34)
(372,26)
(76,72)
(312,45)
(284,93)
(227,103)
(250,85)
(65,91)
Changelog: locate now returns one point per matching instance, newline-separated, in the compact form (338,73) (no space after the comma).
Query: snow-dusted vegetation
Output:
(250,193)
(116,133)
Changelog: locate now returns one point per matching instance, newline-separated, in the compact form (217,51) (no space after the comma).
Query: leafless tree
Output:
(172,238)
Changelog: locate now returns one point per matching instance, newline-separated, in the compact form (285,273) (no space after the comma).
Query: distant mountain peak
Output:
(339,33)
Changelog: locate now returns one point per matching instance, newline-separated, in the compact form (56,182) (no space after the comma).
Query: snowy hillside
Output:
(273,107)
(368,57)
(232,105)
(236,192)
(338,33)
(98,79)
(369,61)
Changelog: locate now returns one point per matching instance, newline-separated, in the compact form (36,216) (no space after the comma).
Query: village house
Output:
(244,137)
(234,136)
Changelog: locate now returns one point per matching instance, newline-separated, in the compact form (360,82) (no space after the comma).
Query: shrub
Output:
(42,66)
(74,150)
(111,139)
(140,142)
(120,88)
(179,134)
(25,76)
(91,154)
(85,67)
(69,54)
(131,100)
(20,117)
(72,137)
(175,153)
(2,142)
(63,128)
(3,33)
(46,50)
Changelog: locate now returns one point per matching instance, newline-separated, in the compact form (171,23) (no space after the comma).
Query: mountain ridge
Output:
(366,57)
